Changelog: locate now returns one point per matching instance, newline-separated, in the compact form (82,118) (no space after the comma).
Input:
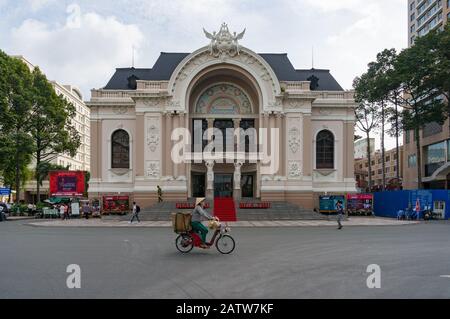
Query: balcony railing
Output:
(111,94)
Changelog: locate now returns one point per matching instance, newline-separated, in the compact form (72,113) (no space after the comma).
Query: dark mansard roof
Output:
(322,80)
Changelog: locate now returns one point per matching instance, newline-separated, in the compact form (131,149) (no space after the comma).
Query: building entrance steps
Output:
(277,211)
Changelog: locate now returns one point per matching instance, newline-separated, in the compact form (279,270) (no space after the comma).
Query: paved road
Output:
(268,263)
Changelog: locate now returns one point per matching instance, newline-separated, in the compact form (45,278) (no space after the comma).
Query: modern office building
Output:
(426,15)
(423,16)
(308,117)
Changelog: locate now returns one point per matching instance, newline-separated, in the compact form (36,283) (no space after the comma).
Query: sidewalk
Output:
(354,221)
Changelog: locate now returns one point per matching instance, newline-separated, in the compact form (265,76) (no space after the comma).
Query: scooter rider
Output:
(198,215)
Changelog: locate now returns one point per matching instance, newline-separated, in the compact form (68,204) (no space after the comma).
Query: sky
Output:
(82,42)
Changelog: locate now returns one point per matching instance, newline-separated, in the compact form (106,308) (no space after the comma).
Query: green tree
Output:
(420,96)
(385,90)
(15,104)
(51,130)
(437,45)
(366,113)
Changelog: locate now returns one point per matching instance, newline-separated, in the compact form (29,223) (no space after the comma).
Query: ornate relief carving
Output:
(294,140)
(158,102)
(267,178)
(325,175)
(174,104)
(153,135)
(294,104)
(295,169)
(223,99)
(277,104)
(224,43)
(324,111)
(325,172)
(265,76)
(120,110)
(153,169)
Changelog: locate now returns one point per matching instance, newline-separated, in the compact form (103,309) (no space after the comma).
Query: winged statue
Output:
(212,37)
(223,42)
(238,37)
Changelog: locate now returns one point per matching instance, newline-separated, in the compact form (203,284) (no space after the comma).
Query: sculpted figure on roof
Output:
(224,43)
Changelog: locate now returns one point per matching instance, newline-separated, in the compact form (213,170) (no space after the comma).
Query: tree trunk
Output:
(370,164)
(383,159)
(38,177)
(17,168)
(418,158)
(397,147)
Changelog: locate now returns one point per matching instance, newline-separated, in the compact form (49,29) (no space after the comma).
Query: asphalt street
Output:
(316,262)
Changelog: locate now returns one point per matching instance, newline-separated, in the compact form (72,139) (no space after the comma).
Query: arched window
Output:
(120,149)
(325,150)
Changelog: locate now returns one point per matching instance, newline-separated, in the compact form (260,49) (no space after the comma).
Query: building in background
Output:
(362,170)
(361,147)
(81,161)
(426,15)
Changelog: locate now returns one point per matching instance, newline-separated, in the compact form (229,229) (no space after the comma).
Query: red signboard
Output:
(359,202)
(116,204)
(360,196)
(67,184)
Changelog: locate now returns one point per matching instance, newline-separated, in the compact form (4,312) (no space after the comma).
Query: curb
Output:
(243,224)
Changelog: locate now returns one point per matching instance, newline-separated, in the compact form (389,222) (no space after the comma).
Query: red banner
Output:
(67,184)
(360,196)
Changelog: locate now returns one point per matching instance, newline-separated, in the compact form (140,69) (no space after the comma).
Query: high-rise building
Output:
(426,15)
(81,121)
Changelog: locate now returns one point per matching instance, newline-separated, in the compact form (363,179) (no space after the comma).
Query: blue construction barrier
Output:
(389,204)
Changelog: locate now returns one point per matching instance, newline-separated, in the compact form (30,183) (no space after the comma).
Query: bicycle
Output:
(224,243)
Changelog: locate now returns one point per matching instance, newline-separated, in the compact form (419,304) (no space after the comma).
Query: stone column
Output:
(168,158)
(210,180)
(265,144)
(237,126)
(96,149)
(182,169)
(176,124)
(281,138)
(210,126)
(139,146)
(237,193)
(308,147)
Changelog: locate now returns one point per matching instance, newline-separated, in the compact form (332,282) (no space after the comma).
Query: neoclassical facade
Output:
(308,117)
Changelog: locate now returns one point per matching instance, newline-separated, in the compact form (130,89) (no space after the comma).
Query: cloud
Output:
(83,51)
(36,5)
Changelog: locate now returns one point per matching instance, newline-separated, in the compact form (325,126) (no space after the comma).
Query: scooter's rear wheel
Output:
(184,243)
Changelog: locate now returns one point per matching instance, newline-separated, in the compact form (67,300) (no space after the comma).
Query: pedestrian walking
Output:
(62,212)
(86,210)
(136,211)
(340,211)
(160,199)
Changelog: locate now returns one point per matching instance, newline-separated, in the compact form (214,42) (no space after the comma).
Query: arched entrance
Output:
(222,100)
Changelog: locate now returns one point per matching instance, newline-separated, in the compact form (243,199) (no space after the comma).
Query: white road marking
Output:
(445,276)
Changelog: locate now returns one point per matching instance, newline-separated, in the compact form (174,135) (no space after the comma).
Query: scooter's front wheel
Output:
(184,243)
(225,244)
